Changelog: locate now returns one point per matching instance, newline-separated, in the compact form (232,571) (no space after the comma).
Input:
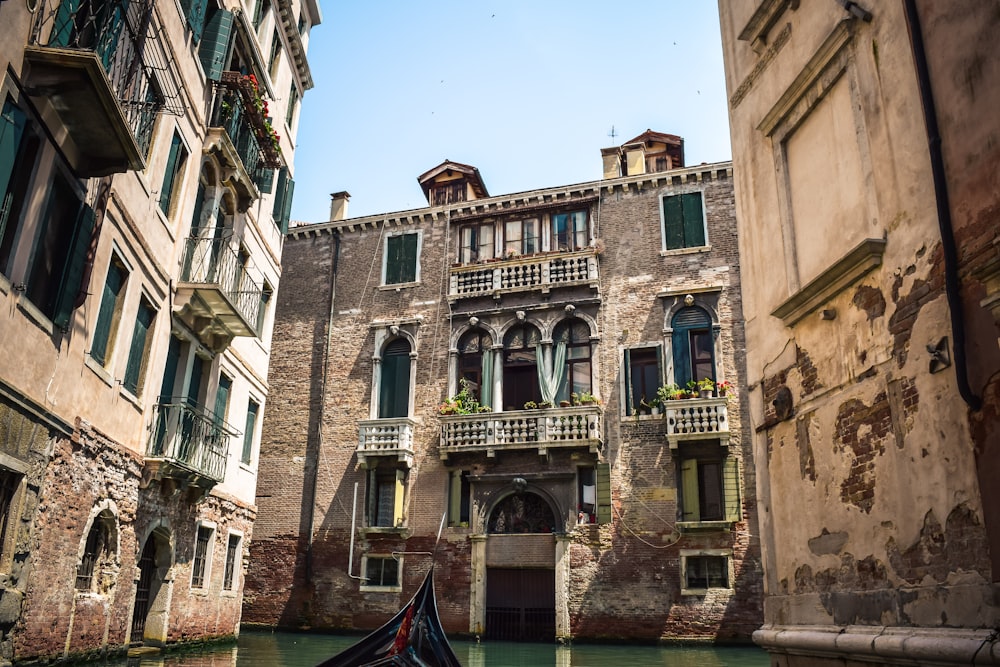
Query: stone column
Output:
(477,597)
(563,543)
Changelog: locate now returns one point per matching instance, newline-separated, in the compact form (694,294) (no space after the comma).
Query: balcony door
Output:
(520,367)
(394,381)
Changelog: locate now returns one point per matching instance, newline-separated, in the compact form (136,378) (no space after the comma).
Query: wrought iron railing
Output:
(524,273)
(696,419)
(212,261)
(240,110)
(192,438)
(116,31)
(386,437)
(574,426)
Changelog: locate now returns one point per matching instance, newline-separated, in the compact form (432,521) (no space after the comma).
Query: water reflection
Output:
(260,649)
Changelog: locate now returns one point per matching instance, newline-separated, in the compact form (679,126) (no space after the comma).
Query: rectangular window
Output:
(475,243)
(222,399)
(385,497)
(138,353)
(458,498)
(642,378)
(569,231)
(260,10)
(173,173)
(382,571)
(710,490)
(110,312)
(200,564)
(400,261)
(248,433)
(275,56)
(293,106)
(593,494)
(449,194)
(232,560)
(683,221)
(19,149)
(520,237)
(702,572)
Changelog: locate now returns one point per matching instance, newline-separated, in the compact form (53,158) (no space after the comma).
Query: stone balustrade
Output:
(386,437)
(531,272)
(697,419)
(577,426)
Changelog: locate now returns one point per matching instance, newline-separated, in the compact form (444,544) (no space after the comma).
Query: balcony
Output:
(697,419)
(386,437)
(539,272)
(216,295)
(578,426)
(241,136)
(87,74)
(187,448)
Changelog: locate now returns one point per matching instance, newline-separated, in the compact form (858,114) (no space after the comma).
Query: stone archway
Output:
(152,595)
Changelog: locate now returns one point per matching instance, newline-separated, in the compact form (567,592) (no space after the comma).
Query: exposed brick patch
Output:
(861,430)
(870,300)
(908,305)
(961,544)
(853,575)
(807,462)
(808,371)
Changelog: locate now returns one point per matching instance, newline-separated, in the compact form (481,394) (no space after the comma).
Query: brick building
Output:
(488,366)
(865,147)
(144,190)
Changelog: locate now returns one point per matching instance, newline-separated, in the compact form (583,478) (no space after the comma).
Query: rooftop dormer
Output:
(648,153)
(452,182)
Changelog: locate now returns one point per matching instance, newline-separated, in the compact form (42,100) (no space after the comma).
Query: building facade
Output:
(145,176)
(865,145)
(488,369)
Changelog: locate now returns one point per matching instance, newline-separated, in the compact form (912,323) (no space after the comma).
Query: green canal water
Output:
(257,649)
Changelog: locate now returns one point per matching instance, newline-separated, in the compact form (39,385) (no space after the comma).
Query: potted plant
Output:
(706,387)
(724,387)
(544,405)
(531,405)
(653,405)
(586,398)
(462,403)
(668,392)
(564,404)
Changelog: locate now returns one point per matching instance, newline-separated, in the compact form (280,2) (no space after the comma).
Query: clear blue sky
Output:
(527,91)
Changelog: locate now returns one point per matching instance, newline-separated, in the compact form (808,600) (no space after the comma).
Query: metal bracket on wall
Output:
(940,356)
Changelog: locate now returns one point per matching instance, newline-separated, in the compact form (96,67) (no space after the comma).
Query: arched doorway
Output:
(149,613)
(520,572)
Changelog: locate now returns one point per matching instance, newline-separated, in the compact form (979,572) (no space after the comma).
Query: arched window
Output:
(520,367)
(98,552)
(522,513)
(394,383)
(575,335)
(694,347)
(475,363)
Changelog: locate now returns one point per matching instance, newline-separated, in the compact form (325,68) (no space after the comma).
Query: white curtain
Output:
(550,377)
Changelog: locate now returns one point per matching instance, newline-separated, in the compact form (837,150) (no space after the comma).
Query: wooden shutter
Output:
(213,52)
(194,10)
(105,316)
(222,399)
(603,474)
(12,122)
(251,425)
(286,204)
(408,258)
(65,24)
(72,274)
(694,220)
(455,497)
(397,507)
(133,370)
(673,222)
(264,180)
(394,386)
(170,370)
(627,368)
(166,190)
(690,511)
(371,496)
(731,489)
(392,270)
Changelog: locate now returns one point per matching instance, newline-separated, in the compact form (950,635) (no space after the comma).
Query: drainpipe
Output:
(311,489)
(952,284)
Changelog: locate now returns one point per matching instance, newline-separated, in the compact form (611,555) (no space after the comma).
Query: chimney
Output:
(635,158)
(612,159)
(338,205)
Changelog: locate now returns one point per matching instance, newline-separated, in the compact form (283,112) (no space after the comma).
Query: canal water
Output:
(279,649)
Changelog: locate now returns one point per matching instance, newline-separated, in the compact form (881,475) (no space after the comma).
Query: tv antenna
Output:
(612,133)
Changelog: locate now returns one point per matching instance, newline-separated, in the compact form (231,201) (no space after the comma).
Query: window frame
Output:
(523,241)
(685,247)
(171,188)
(95,549)
(398,281)
(459,499)
(577,238)
(476,250)
(700,555)
(232,567)
(250,431)
(201,564)
(138,363)
(691,462)
(392,481)
(13,480)
(681,347)
(113,312)
(381,588)
(629,405)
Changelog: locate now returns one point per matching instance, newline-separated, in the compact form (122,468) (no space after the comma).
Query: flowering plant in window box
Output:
(724,387)
(669,392)
(705,387)
(462,403)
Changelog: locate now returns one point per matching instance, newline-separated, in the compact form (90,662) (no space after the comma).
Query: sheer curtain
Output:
(550,377)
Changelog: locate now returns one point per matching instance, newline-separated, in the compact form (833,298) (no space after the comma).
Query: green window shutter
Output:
(214,47)
(689,490)
(371,496)
(279,196)
(12,122)
(251,426)
(222,399)
(65,23)
(286,210)
(170,370)
(454,497)
(133,369)
(408,258)
(105,316)
(397,505)
(627,368)
(694,220)
(603,474)
(673,222)
(731,489)
(392,260)
(72,274)
(395,381)
(170,174)
(264,180)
